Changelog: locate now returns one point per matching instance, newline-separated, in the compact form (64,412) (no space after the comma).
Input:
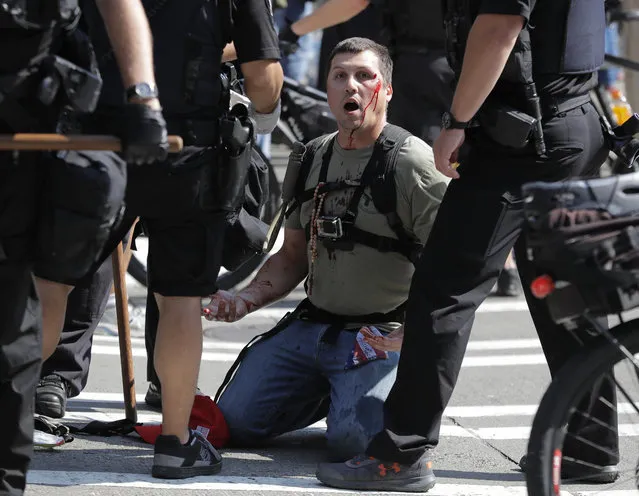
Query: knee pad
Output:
(83,199)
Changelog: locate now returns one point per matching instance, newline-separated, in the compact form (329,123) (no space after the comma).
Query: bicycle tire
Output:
(566,389)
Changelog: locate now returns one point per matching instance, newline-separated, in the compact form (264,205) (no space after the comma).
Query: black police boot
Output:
(577,472)
(51,396)
(153,396)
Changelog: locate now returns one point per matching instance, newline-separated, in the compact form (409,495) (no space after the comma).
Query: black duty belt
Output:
(551,106)
(337,323)
(308,311)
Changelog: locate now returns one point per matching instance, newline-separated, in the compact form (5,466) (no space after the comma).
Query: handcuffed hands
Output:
(391,342)
(143,135)
(228,307)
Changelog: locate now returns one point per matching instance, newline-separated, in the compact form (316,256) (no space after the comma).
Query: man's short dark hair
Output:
(358,45)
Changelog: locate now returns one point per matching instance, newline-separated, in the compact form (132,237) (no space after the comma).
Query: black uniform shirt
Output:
(543,20)
(253,33)
(416,22)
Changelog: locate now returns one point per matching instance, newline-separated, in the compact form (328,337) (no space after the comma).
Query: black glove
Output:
(288,39)
(143,135)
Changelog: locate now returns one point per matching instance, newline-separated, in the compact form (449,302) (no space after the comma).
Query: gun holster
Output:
(228,177)
(506,125)
(81,87)
(75,70)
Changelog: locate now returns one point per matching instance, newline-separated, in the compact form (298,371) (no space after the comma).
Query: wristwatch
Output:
(142,91)
(449,122)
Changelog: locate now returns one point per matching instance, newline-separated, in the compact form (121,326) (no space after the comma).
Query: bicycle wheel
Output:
(567,403)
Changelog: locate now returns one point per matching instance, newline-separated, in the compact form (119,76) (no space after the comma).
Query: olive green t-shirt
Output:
(365,280)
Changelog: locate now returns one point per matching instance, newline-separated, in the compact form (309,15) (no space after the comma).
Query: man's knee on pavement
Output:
(351,429)
(246,425)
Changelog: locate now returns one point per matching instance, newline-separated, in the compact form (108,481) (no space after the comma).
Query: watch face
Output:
(446,121)
(144,90)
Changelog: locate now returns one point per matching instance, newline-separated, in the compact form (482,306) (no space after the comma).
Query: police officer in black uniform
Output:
(422,77)
(34,87)
(521,106)
(183,202)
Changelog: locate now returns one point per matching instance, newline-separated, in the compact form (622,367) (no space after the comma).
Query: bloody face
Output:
(355,88)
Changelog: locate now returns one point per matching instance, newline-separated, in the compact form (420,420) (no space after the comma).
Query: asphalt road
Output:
(484,432)
(483,436)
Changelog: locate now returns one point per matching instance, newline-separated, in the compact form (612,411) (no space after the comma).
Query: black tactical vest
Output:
(417,23)
(37,14)
(563,37)
(30,28)
(188,39)
(580,37)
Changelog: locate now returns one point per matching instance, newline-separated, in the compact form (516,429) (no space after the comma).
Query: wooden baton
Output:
(94,142)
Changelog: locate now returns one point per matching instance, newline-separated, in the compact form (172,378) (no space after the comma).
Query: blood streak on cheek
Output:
(375,97)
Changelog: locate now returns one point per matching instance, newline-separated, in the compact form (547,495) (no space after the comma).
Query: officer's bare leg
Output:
(178,352)
(53,299)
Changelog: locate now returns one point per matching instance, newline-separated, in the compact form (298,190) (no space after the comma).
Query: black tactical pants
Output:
(479,221)
(85,308)
(422,92)
(20,339)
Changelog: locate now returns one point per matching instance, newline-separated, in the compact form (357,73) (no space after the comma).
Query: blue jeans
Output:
(295,378)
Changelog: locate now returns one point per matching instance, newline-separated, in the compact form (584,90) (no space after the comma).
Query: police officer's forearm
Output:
(263,81)
(490,41)
(280,274)
(128,29)
(329,14)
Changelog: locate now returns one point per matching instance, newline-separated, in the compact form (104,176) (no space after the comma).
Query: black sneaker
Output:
(174,460)
(153,396)
(370,474)
(51,396)
(574,471)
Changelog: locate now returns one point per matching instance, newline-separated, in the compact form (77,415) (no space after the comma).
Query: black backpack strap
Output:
(301,193)
(383,188)
(120,427)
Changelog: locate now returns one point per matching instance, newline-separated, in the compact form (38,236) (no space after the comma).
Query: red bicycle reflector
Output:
(542,286)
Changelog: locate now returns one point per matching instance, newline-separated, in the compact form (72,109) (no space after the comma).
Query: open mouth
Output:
(351,106)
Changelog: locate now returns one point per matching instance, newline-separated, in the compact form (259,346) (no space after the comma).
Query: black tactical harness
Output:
(379,176)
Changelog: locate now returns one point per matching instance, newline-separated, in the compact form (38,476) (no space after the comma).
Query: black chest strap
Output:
(379,176)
